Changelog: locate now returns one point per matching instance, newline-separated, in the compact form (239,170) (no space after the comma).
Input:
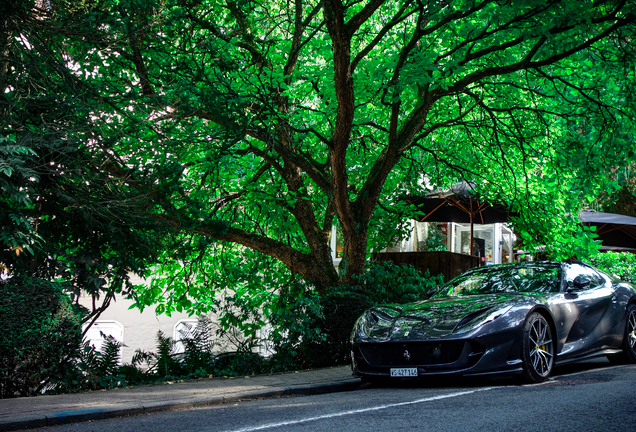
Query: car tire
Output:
(629,339)
(537,349)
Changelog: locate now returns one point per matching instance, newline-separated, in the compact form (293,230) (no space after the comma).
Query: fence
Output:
(449,264)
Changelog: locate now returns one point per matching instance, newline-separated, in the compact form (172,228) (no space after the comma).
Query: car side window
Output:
(576,273)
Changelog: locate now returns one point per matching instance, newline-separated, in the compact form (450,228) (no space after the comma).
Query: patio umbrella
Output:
(461,205)
(617,232)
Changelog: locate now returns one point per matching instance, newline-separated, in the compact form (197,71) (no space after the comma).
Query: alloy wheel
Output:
(540,338)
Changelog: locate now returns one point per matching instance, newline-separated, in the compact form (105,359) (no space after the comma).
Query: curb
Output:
(60,418)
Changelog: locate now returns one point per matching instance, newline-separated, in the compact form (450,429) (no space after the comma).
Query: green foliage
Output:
(16,174)
(313,331)
(242,363)
(622,198)
(340,310)
(621,265)
(59,222)
(435,240)
(383,282)
(61,217)
(92,369)
(261,124)
(198,345)
(41,335)
(165,362)
(105,362)
(387,282)
(294,320)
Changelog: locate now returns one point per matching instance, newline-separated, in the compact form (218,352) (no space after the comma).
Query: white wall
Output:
(139,328)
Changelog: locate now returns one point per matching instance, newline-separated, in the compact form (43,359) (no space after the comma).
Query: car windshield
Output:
(506,278)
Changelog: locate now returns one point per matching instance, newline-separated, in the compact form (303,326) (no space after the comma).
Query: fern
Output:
(197,341)
(166,363)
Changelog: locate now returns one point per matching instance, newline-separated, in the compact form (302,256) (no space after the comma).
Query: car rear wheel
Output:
(629,339)
(537,349)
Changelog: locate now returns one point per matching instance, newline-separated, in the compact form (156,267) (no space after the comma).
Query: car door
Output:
(590,313)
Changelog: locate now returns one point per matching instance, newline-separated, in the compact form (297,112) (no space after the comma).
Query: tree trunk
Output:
(355,253)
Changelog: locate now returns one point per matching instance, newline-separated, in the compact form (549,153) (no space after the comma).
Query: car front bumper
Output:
(486,355)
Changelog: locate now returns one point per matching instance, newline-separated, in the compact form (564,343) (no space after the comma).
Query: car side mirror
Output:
(579,283)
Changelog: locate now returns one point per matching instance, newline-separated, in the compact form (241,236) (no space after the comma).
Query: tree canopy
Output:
(258,125)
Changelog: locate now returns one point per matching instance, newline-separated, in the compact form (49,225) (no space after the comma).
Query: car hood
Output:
(432,319)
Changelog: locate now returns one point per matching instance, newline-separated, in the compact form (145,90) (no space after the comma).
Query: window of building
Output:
(483,241)
(101,329)
(182,330)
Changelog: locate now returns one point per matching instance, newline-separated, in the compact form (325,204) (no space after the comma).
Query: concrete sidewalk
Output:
(31,412)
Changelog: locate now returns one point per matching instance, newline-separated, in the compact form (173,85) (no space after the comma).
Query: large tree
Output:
(264,123)
(62,216)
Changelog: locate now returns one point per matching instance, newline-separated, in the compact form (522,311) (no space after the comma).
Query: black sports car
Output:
(511,318)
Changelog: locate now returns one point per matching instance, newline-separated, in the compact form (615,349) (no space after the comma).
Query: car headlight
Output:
(376,323)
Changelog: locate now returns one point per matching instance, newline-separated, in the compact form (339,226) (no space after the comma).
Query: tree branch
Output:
(361,17)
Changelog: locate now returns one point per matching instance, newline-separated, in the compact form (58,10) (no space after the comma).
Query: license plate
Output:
(403,372)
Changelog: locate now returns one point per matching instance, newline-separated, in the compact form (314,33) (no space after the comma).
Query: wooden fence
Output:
(449,264)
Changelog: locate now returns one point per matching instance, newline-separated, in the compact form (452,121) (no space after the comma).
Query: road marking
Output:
(414,402)
(358,411)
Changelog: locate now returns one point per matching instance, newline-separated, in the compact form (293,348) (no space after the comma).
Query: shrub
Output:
(92,369)
(340,310)
(387,282)
(621,265)
(383,282)
(195,361)
(241,363)
(41,335)
(293,318)
(198,345)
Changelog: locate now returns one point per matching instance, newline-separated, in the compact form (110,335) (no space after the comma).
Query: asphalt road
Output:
(592,396)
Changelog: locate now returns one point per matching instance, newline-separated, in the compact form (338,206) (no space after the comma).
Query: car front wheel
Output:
(537,349)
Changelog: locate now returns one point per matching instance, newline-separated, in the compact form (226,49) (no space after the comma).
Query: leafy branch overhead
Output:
(265,123)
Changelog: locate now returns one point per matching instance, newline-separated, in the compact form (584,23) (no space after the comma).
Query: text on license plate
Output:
(403,372)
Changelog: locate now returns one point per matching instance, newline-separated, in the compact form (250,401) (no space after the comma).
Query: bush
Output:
(241,363)
(41,335)
(340,310)
(198,345)
(621,265)
(387,282)
(293,318)
(308,331)
(92,369)
(383,282)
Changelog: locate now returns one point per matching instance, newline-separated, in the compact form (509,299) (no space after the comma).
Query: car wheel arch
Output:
(545,312)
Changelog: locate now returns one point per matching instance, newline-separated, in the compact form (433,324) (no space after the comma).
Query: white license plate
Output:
(403,372)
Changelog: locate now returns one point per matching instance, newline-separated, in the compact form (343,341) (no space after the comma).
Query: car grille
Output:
(412,353)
